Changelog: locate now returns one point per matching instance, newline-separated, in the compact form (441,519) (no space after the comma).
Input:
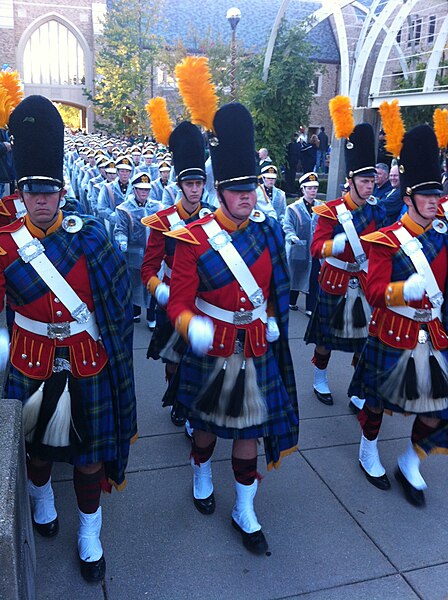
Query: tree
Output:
(70,115)
(283,103)
(127,51)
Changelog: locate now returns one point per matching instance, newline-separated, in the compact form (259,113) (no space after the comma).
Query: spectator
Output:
(382,184)
(309,154)
(322,151)
(393,201)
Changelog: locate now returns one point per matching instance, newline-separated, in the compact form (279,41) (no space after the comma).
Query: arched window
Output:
(53,56)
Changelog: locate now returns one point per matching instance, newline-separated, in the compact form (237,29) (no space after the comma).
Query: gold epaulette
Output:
(3,210)
(183,234)
(324,211)
(13,226)
(381,237)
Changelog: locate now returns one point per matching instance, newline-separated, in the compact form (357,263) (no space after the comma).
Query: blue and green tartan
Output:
(275,372)
(109,396)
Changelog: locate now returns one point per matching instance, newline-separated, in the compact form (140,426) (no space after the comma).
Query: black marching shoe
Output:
(93,571)
(254,542)
(47,529)
(382,482)
(413,495)
(205,506)
(177,418)
(324,398)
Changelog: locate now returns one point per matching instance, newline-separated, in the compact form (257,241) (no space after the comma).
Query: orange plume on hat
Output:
(160,119)
(11,94)
(440,119)
(341,112)
(393,126)
(197,90)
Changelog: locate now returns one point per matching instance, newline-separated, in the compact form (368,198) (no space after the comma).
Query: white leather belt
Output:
(175,221)
(237,317)
(412,247)
(421,315)
(221,241)
(58,331)
(32,251)
(345,266)
(20,208)
(345,218)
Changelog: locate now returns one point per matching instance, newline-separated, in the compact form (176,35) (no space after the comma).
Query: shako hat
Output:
(232,148)
(269,171)
(37,133)
(164,166)
(419,166)
(360,152)
(141,181)
(309,179)
(187,145)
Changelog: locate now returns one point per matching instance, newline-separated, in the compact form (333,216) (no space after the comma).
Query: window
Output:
(399,37)
(431,29)
(53,56)
(317,85)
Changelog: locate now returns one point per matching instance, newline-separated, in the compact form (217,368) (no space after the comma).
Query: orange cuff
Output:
(183,321)
(394,294)
(327,249)
(153,284)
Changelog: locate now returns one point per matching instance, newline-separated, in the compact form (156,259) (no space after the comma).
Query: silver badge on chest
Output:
(440,226)
(72,223)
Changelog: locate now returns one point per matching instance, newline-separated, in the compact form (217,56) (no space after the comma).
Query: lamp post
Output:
(233,16)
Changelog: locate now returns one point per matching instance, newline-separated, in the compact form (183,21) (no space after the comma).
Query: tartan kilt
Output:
(160,335)
(320,330)
(281,428)
(375,363)
(96,403)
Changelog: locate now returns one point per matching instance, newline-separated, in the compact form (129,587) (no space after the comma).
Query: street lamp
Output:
(233,16)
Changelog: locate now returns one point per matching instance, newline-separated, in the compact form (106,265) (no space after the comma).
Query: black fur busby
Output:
(419,162)
(187,145)
(232,148)
(360,152)
(37,132)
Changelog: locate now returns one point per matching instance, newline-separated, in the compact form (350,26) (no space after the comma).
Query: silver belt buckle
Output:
(422,315)
(242,318)
(352,268)
(437,300)
(58,331)
(360,259)
(257,297)
(81,313)
(345,217)
(422,336)
(31,250)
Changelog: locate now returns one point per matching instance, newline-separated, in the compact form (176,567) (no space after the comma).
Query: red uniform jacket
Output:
(333,280)
(191,244)
(33,354)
